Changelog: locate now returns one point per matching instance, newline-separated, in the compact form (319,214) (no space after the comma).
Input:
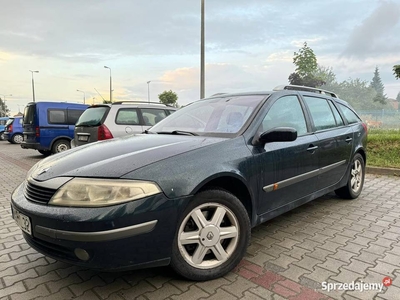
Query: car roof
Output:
(144,104)
(304,89)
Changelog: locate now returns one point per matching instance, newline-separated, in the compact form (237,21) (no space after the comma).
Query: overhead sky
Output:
(249,46)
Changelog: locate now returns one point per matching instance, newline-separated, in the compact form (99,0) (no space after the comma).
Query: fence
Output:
(388,119)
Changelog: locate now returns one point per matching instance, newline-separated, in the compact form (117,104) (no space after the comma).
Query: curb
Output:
(383,171)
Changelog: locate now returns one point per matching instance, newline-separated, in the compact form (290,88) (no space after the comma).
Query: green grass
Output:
(383,148)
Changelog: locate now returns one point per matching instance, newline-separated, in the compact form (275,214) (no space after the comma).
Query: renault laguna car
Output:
(188,191)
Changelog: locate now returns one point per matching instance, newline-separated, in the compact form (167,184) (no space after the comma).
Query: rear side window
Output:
(350,115)
(321,113)
(57,116)
(92,116)
(152,116)
(127,116)
(73,115)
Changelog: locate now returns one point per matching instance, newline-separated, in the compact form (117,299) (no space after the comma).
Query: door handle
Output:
(348,140)
(312,148)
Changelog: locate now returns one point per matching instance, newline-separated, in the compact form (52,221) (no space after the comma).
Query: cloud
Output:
(5,56)
(378,33)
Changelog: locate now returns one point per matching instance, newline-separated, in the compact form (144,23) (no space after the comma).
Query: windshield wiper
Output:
(148,132)
(180,132)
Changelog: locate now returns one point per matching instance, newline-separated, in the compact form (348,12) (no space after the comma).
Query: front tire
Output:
(355,182)
(61,146)
(2,136)
(212,236)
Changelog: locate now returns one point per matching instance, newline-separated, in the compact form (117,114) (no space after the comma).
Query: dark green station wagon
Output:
(188,191)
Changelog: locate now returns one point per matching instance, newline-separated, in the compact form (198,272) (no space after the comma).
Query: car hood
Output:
(116,157)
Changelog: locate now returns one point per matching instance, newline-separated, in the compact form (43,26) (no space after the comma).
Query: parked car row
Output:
(53,127)
(188,192)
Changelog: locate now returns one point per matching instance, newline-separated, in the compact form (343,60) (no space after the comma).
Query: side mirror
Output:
(277,134)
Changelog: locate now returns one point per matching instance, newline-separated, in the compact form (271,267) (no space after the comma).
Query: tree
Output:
(396,71)
(305,61)
(398,97)
(168,98)
(379,88)
(357,92)
(3,108)
(325,74)
(306,67)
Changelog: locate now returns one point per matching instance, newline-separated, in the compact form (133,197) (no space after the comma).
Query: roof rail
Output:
(218,94)
(304,88)
(145,102)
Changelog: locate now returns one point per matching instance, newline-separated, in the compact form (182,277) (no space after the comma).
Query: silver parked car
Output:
(106,121)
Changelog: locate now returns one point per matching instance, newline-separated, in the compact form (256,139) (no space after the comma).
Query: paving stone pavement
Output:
(329,240)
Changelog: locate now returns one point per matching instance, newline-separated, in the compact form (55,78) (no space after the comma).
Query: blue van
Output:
(3,121)
(49,126)
(13,130)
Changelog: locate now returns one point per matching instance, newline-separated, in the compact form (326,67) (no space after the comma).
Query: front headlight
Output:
(83,192)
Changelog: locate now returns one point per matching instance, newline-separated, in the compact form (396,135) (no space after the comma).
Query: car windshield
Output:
(92,116)
(223,116)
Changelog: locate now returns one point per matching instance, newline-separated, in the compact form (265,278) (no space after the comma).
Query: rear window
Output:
(93,116)
(29,114)
(9,121)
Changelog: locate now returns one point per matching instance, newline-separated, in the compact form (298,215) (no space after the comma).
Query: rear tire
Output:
(355,182)
(2,136)
(60,146)
(17,138)
(212,236)
(45,152)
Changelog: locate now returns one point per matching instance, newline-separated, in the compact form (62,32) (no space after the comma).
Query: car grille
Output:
(38,194)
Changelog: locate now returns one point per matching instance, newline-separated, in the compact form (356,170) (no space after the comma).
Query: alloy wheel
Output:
(208,236)
(356,176)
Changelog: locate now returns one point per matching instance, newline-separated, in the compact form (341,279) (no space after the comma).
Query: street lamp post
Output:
(202,60)
(84,96)
(33,84)
(4,103)
(148,91)
(110,83)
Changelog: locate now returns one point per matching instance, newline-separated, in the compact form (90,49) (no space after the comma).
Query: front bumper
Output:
(125,236)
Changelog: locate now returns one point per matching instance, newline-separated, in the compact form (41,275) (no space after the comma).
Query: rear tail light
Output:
(103,133)
(10,128)
(37,131)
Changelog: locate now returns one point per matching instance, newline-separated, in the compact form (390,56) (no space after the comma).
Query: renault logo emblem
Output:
(210,236)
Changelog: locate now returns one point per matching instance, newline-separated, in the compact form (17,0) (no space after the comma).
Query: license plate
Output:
(22,221)
(83,138)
